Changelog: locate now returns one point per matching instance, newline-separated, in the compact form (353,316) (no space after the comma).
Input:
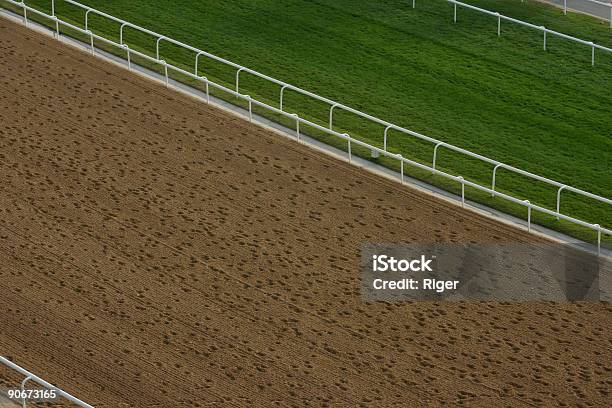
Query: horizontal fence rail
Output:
(543,29)
(31,377)
(599,3)
(351,142)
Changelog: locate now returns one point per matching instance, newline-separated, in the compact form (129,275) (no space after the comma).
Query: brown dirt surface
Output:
(157,252)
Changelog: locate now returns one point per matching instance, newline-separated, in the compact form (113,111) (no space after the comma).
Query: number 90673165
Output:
(32,394)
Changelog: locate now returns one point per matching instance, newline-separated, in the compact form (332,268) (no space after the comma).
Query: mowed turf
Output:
(547,112)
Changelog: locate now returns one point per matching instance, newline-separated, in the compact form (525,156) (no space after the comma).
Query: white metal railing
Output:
(31,377)
(544,30)
(609,5)
(328,130)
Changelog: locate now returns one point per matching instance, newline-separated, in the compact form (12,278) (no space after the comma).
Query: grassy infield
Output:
(503,97)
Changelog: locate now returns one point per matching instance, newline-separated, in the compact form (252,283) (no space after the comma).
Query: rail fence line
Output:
(609,5)
(544,30)
(31,377)
(328,130)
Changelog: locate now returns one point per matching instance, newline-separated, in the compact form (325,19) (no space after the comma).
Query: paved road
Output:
(586,6)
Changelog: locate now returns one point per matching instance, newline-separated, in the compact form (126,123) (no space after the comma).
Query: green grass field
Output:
(547,112)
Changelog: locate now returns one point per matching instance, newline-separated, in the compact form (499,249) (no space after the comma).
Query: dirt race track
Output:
(157,252)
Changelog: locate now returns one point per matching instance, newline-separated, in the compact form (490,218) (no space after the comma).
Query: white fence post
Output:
(121,33)
(528,204)
(462,181)
(297,126)
(544,30)
(157,47)
(565,7)
(23,383)
(331,115)
(349,147)
(385,138)
(248,98)
(493,181)
(559,199)
(598,238)
(207,89)
(25,15)
(53,8)
(91,37)
(129,60)
(592,53)
(165,70)
(87,19)
(435,155)
(413,3)
(238,79)
(196,62)
(498,25)
(401,159)
(282,93)
(455,14)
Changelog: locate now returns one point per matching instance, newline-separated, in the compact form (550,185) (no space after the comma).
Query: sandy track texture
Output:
(157,252)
